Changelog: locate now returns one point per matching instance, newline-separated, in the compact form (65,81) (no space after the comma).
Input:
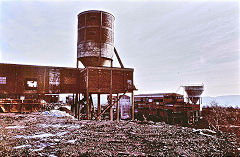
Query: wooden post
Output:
(87,107)
(99,106)
(90,107)
(132,105)
(78,106)
(74,107)
(77,113)
(117,108)
(111,109)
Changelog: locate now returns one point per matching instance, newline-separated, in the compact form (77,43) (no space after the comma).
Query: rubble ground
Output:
(46,134)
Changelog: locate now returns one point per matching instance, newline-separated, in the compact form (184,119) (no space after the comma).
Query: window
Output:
(3,80)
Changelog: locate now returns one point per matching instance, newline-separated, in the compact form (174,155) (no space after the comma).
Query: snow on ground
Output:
(22,146)
(57,113)
(60,125)
(68,107)
(71,141)
(44,135)
(14,127)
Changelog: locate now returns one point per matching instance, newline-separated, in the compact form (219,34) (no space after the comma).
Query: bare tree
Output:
(216,116)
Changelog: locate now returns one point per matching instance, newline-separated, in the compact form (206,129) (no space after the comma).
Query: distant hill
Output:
(227,100)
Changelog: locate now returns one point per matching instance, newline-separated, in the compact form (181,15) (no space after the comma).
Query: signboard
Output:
(30,84)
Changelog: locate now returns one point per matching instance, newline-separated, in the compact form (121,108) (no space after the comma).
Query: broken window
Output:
(54,80)
(3,80)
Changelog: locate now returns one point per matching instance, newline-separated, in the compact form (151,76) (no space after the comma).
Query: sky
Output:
(168,43)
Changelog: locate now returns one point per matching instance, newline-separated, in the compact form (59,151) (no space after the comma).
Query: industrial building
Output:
(95,49)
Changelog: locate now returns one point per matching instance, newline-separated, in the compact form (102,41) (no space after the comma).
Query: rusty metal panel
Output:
(69,80)
(7,79)
(118,80)
(99,80)
(104,79)
(93,76)
(83,80)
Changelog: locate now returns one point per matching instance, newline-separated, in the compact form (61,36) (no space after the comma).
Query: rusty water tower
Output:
(95,45)
(194,92)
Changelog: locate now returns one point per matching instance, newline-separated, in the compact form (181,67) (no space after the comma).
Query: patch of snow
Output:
(36,150)
(56,140)
(239,149)
(207,131)
(57,113)
(20,136)
(61,133)
(59,125)
(45,135)
(14,127)
(22,146)
(50,125)
(42,135)
(71,141)
(75,126)
(68,107)
(157,126)
(52,155)
(201,133)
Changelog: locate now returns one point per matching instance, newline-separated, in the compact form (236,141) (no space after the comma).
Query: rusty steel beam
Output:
(99,106)
(107,107)
(119,60)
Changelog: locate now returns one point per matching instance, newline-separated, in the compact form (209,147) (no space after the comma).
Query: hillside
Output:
(227,100)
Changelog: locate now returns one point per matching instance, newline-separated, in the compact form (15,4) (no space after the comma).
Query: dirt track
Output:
(37,134)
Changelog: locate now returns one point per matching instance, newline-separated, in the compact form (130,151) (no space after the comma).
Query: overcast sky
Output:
(168,43)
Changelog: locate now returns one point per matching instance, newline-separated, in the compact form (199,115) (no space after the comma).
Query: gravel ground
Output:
(44,134)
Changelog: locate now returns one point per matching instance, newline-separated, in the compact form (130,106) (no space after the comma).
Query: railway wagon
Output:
(22,87)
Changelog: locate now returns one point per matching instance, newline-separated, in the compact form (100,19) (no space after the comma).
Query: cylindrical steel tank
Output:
(95,46)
